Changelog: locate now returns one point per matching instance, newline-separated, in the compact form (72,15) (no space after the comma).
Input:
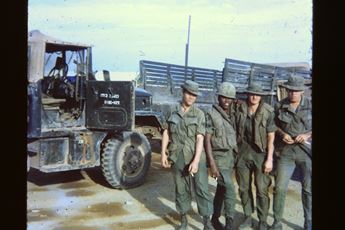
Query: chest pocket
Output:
(173,122)
(218,124)
(305,116)
(231,138)
(191,123)
(264,123)
(285,117)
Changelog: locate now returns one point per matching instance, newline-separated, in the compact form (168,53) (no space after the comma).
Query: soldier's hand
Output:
(193,168)
(214,171)
(288,139)
(301,138)
(164,161)
(268,166)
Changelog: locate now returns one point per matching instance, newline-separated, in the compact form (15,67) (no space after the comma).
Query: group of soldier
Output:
(241,137)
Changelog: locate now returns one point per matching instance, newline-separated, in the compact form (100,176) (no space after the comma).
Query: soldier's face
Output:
(224,102)
(188,98)
(295,96)
(254,99)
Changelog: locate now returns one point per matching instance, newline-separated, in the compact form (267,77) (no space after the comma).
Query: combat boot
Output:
(207,223)
(277,225)
(263,225)
(228,223)
(216,223)
(247,223)
(184,222)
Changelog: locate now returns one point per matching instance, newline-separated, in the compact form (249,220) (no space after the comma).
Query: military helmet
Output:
(226,89)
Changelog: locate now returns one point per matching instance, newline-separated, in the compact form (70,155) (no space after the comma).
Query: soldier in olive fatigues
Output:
(185,128)
(255,136)
(293,119)
(220,147)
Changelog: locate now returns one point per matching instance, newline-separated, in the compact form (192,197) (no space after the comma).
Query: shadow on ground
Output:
(161,200)
(153,194)
(41,179)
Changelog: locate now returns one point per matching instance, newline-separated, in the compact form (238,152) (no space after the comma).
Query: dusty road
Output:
(82,200)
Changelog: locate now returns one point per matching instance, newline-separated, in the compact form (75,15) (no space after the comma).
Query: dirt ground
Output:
(82,199)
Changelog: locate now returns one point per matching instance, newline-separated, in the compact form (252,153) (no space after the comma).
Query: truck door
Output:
(110,105)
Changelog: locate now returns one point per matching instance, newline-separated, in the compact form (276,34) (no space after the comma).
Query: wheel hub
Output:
(133,161)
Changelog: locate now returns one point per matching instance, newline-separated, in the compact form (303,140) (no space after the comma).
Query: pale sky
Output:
(124,32)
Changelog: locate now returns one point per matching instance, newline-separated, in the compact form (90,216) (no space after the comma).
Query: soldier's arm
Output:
(165,141)
(285,136)
(208,150)
(271,128)
(194,165)
(200,132)
(198,147)
(270,148)
(279,131)
(305,136)
(208,146)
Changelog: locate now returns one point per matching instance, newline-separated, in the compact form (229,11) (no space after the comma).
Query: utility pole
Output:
(187,45)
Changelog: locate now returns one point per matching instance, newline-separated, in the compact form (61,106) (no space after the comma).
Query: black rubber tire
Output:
(125,163)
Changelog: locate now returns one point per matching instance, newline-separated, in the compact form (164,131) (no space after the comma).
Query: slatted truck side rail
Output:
(164,81)
(241,73)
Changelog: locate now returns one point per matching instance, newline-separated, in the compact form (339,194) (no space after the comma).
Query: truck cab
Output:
(75,121)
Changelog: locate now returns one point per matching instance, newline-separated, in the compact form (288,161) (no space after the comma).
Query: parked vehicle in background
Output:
(163,81)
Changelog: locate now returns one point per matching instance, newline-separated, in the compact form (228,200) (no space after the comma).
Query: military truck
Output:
(163,81)
(76,122)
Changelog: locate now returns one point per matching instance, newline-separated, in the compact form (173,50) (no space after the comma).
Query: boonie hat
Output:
(256,89)
(191,86)
(295,83)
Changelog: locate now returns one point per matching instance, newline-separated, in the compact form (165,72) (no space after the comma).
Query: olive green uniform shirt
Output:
(253,129)
(223,136)
(293,122)
(183,128)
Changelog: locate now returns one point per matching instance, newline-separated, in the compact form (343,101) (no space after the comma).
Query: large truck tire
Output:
(126,161)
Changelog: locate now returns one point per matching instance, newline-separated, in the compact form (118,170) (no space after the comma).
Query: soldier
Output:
(255,137)
(220,146)
(293,119)
(185,129)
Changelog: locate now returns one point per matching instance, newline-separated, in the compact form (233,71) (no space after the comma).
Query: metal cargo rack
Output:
(164,80)
(242,73)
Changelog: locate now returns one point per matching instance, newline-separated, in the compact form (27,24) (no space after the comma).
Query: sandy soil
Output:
(82,199)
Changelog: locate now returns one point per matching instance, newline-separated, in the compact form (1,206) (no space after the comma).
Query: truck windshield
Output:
(75,60)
